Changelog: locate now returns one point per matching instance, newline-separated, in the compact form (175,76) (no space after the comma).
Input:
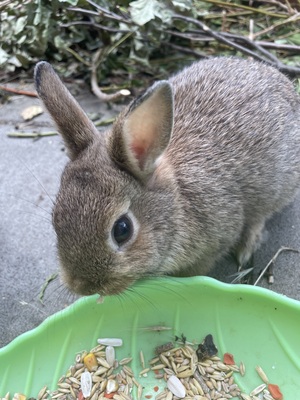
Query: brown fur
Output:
(206,172)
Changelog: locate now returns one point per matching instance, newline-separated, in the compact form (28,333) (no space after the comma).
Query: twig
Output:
(268,57)
(106,12)
(37,135)
(45,285)
(277,46)
(97,14)
(185,50)
(84,11)
(195,35)
(255,45)
(103,122)
(254,10)
(278,4)
(219,37)
(271,28)
(30,135)
(96,26)
(238,276)
(17,91)
(77,56)
(273,259)
(97,58)
(3,4)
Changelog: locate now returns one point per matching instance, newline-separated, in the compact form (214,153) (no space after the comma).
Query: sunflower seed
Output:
(175,386)
(86,383)
(169,396)
(116,342)
(111,386)
(110,355)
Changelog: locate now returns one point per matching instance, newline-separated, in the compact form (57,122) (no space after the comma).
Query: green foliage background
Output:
(134,37)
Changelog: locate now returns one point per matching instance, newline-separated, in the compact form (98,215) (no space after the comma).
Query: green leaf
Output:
(3,56)
(143,11)
(38,15)
(71,2)
(182,5)
(294,39)
(20,24)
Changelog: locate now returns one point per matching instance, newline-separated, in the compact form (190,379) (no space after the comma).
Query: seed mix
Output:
(189,373)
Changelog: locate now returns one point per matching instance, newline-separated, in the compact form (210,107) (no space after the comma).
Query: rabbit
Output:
(189,171)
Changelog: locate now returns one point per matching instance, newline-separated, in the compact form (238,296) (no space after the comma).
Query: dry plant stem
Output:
(30,135)
(4,3)
(94,25)
(273,259)
(104,122)
(196,36)
(45,285)
(264,44)
(241,274)
(254,10)
(278,4)
(219,37)
(77,56)
(36,135)
(98,56)
(293,18)
(282,47)
(20,92)
(97,14)
(94,81)
(292,71)
(186,50)
(106,12)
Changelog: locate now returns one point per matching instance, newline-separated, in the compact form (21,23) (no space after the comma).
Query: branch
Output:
(254,10)
(113,17)
(268,57)
(30,135)
(185,50)
(107,13)
(17,91)
(94,25)
(293,18)
(272,261)
(97,58)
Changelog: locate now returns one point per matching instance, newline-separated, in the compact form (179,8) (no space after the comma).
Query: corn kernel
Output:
(90,361)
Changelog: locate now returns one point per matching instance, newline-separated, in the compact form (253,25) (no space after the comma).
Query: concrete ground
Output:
(29,179)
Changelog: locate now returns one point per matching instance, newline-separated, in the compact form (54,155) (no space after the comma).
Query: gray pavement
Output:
(29,178)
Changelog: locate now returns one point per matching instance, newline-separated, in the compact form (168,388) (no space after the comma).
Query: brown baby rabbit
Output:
(189,171)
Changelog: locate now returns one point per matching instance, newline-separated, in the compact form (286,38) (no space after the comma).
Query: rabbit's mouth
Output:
(109,287)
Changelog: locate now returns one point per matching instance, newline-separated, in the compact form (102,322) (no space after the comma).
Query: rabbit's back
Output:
(239,119)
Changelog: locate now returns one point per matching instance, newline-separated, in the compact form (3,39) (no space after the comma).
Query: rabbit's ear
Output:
(142,135)
(75,127)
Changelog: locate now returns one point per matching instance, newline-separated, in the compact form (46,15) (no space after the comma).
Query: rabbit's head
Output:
(114,213)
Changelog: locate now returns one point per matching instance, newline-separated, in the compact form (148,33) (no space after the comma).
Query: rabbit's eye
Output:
(122,230)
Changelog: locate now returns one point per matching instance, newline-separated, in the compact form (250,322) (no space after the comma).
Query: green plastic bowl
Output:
(256,325)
